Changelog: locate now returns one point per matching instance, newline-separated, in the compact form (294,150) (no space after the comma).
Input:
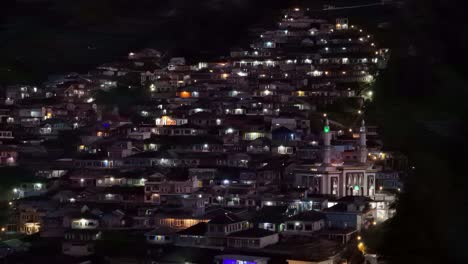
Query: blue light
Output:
(234,261)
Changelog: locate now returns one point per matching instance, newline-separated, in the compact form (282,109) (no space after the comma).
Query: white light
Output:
(229,131)
(90,100)
(226,182)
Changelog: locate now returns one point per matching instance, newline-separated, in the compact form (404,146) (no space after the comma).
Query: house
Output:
(30,214)
(259,145)
(8,155)
(194,236)
(223,225)
(79,243)
(305,223)
(161,235)
(51,128)
(176,217)
(120,194)
(82,220)
(177,182)
(253,238)
(346,215)
(79,239)
(28,189)
(234,259)
(271,218)
(283,134)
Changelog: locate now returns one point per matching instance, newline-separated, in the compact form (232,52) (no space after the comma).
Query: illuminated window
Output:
(185,94)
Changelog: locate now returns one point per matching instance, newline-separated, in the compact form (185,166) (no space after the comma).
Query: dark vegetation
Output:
(421,106)
(41,37)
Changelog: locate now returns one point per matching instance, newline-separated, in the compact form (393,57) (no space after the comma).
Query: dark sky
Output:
(43,36)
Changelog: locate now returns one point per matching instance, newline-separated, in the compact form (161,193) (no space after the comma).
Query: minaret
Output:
(362,143)
(326,143)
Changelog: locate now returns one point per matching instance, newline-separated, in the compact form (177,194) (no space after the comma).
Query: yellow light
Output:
(374,223)
(185,94)
(358,237)
(3,229)
(361,247)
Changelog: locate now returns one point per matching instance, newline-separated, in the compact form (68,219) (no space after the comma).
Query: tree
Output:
(420,103)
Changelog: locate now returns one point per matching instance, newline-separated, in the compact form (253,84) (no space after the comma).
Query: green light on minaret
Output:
(356,187)
(326,129)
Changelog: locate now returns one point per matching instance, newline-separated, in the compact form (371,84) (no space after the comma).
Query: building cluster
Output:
(262,156)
